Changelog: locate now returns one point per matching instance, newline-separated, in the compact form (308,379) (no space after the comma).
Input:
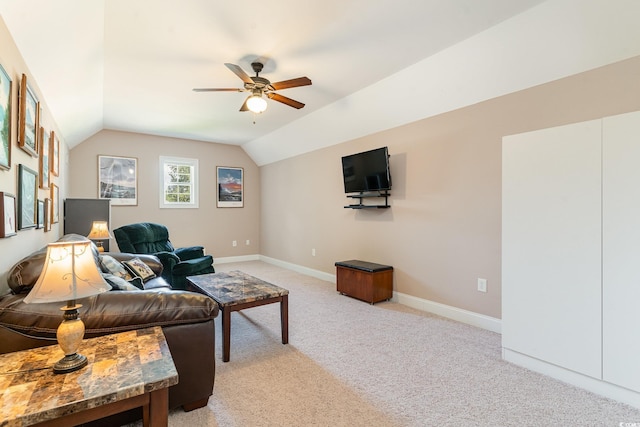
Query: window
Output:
(178,182)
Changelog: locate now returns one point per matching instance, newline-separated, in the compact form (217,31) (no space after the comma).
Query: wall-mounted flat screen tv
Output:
(367,171)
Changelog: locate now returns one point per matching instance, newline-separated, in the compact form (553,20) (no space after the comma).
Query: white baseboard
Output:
(300,269)
(591,384)
(454,313)
(242,258)
(464,316)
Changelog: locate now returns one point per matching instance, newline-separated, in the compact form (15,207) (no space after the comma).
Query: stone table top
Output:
(235,287)
(120,366)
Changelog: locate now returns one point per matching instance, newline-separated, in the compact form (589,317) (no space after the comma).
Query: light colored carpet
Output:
(349,363)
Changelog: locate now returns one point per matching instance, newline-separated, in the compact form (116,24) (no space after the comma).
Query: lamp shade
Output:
(256,104)
(99,231)
(69,273)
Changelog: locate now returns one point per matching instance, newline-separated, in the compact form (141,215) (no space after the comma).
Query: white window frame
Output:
(193,163)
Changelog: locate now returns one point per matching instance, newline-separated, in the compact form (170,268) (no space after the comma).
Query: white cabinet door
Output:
(621,250)
(551,246)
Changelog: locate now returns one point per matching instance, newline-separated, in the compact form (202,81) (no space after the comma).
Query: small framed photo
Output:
(5,119)
(27,197)
(55,154)
(29,116)
(8,214)
(40,223)
(45,155)
(55,204)
(118,180)
(47,214)
(230,187)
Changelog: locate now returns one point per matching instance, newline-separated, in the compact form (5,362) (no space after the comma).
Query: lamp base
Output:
(70,363)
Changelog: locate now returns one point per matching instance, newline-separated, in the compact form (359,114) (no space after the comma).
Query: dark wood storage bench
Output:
(363,280)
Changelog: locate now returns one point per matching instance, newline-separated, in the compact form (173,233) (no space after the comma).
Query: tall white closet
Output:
(571,253)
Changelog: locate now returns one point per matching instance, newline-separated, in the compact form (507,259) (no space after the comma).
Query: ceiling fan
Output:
(259,86)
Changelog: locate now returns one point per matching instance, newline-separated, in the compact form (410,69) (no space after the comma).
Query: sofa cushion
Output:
(119,284)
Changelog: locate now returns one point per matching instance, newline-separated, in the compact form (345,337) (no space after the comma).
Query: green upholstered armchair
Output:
(178,263)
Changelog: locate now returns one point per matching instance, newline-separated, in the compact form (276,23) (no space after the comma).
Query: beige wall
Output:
(14,248)
(443,230)
(209,226)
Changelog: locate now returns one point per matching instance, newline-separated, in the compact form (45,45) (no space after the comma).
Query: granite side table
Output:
(125,371)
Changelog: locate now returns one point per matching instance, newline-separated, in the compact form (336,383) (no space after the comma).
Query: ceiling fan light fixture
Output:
(256,103)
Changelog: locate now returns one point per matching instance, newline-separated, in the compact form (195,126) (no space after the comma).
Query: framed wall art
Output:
(55,154)
(45,155)
(40,223)
(5,119)
(55,204)
(27,197)
(7,214)
(230,187)
(47,214)
(29,116)
(118,180)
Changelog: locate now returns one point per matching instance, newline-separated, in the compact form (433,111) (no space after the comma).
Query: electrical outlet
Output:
(247,242)
(313,252)
(482,285)
(234,243)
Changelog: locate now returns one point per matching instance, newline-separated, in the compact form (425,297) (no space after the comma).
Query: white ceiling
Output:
(131,64)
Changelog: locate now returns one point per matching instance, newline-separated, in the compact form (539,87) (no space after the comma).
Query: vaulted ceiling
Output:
(131,65)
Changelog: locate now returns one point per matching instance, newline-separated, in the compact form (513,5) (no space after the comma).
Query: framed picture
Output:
(55,204)
(230,187)
(47,214)
(29,117)
(45,155)
(27,197)
(5,119)
(55,154)
(40,223)
(8,214)
(118,180)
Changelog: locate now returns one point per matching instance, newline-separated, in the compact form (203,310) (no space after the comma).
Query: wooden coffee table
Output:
(235,291)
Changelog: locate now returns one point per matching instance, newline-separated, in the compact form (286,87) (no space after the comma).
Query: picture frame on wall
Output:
(5,119)
(55,204)
(40,223)
(47,214)
(29,116)
(44,159)
(118,180)
(8,215)
(27,197)
(230,188)
(55,154)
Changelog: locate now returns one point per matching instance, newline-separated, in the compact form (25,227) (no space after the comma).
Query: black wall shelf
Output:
(360,196)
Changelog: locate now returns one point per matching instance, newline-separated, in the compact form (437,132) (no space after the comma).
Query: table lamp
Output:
(99,231)
(69,273)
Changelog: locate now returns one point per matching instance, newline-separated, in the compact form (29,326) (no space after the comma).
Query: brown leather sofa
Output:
(186,318)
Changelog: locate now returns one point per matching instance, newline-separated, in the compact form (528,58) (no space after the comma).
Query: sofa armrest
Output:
(190,252)
(109,312)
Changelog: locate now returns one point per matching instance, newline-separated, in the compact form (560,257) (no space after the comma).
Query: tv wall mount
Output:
(360,196)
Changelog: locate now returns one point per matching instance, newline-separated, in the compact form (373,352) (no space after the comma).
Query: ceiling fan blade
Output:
(244,104)
(239,72)
(210,89)
(288,101)
(286,84)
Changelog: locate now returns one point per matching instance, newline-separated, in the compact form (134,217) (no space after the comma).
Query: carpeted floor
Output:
(349,363)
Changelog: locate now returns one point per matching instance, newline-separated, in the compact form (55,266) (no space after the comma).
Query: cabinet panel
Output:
(621,250)
(552,245)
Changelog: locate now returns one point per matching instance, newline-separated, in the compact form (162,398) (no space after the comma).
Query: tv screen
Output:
(367,171)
